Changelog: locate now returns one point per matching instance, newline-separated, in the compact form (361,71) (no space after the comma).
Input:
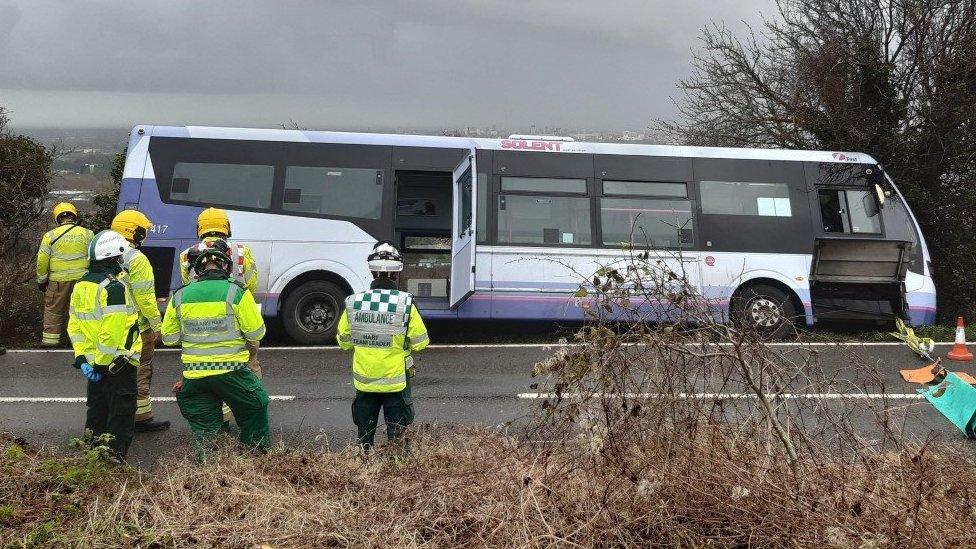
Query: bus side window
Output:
(849,211)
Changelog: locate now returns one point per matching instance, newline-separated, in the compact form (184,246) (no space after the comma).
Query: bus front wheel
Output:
(311,312)
(765,310)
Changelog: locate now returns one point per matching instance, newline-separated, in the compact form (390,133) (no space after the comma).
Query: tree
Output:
(25,173)
(106,202)
(893,78)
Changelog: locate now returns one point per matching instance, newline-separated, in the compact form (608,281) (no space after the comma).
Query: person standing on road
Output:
(138,275)
(213,226)
(383,327)
(103,326)
(215,319)
(62,259)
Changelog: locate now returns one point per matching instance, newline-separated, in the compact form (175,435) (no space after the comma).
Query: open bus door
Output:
(463,231)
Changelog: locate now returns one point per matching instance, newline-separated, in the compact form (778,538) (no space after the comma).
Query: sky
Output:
(353,64)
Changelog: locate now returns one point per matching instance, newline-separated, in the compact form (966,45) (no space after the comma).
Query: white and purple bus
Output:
(501,228)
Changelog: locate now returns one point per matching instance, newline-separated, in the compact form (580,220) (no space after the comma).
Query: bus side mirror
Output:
(880,194)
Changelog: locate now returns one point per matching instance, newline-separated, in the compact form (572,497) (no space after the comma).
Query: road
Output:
(41,396)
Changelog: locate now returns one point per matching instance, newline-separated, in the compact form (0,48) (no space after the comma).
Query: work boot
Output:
(148,426)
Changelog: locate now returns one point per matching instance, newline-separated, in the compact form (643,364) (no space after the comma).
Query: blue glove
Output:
(90,373)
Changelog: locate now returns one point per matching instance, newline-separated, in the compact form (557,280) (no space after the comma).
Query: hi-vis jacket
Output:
(103,321)
(67,258)
(212,318)
(244,271)
(384,327)
(138,276)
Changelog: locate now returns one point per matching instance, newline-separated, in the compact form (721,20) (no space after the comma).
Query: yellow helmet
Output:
(213,220)
(62,208)
(132,224)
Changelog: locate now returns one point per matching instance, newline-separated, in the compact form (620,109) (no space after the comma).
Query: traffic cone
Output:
(959,351)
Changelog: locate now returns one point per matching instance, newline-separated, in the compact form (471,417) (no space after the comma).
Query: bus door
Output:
(462,231)
(857,271)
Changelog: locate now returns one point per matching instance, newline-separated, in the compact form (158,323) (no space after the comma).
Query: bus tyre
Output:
(310,313)
(764,309)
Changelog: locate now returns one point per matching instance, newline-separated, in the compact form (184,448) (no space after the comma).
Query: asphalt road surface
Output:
(42,397)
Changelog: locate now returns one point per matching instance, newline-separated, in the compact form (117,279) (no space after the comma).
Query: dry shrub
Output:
(699,433)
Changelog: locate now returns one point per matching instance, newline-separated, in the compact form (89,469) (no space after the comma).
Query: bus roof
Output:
(515,144)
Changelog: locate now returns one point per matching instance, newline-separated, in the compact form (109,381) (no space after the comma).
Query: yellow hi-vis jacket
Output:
(383,327)
(213,318)
(138,276)
(103,321)
(67,258)
(245,271)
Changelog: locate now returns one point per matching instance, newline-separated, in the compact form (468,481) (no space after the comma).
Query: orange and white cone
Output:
(959,351)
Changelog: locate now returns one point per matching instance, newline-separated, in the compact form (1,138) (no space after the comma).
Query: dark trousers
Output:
(200,403)
(112,408)
(397,411)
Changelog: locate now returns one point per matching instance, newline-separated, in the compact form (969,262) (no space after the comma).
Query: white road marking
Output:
(744,396)
(75,400)
(514,346)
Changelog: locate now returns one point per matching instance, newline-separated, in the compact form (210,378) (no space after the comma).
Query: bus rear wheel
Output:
(310,313)
(764,309)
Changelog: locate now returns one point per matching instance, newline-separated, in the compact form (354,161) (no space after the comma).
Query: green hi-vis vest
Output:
(383,326)
(213,319)
(103,321)
(63,254)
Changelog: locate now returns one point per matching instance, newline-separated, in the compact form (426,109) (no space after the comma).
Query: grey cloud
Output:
(568,62)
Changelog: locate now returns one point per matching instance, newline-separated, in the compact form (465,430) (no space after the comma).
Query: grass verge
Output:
(477,487)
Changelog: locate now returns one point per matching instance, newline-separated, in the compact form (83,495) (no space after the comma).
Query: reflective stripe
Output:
(77,338)
(115,351)
(343,337)
(380,380)
(229,350)
(420,339)
(127,257)
(42,279)
(71,271)
(83,316)
(255,334)
(141,286)
(171,339)
(212,338)
(57,255)
(105,349)
(143,406)
(209,366)
(45,249)
(118,309)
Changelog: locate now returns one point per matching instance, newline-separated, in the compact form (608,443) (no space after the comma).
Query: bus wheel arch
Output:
(311,304)
(768,306)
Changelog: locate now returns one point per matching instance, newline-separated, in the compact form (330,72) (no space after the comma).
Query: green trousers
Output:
(397,412)
(112,407)
(200,403)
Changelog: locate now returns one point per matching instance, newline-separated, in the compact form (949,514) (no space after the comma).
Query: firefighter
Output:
(383,328)
(213,226)
(104,329)
(138,276)
(215,319)
(62,259)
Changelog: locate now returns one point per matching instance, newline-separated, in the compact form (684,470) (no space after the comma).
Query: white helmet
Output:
(106,245)
(384,259)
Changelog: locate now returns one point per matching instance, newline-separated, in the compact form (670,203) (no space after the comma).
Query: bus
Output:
(501,228)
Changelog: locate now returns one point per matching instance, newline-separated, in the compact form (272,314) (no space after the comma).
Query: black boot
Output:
(148,425)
